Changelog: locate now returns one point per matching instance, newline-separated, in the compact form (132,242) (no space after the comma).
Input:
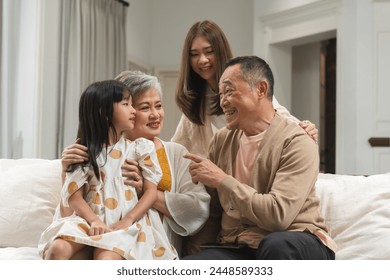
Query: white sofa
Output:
(356,209)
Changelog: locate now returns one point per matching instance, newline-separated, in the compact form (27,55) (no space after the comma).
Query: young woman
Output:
(205,52)
(183,205)
(107,214)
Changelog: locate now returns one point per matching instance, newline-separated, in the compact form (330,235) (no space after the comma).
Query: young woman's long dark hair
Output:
(191,89)
(95,117)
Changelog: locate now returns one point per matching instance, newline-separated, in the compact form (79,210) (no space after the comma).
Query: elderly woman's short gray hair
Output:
(139,82)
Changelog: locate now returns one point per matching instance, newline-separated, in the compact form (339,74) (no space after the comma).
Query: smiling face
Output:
(238,100)
(202,60)
(149,115)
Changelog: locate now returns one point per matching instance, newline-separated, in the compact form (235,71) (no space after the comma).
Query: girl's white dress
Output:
(111,199)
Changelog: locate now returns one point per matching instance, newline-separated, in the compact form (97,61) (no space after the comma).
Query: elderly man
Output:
(261,173)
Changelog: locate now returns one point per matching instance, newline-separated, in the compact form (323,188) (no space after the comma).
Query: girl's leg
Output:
(85,253)
(102,254)
(62,249)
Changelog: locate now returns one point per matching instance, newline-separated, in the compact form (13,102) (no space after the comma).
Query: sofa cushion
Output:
(357,212)
(29,192)
(19,253)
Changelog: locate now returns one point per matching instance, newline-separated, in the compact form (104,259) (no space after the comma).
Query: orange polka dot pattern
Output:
(72,187)
(111,200)
(148,161)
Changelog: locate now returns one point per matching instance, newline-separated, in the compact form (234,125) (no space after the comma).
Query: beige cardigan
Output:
(281,195)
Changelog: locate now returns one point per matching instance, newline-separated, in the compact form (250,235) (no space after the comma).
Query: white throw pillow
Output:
(29,193)
(357,211)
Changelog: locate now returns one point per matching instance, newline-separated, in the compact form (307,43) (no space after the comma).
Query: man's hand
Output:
(132,176)
(204,171)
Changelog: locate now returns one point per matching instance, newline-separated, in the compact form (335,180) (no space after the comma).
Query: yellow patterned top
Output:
(166,180)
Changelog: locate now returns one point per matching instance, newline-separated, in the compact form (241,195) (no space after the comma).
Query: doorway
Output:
(328,106)
(314,94)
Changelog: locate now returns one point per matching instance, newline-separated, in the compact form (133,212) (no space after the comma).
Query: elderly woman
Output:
(183,205)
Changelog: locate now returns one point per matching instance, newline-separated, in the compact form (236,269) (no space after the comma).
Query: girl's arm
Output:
(161,204)
(82,209)
(144,204)
(72,154)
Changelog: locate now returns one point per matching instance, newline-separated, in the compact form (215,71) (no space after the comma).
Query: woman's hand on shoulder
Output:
(310,129)
(132,175)
(75,153)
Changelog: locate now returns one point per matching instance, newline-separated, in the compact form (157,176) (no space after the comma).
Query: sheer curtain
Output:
(93,47)
(1,66)
(7,69)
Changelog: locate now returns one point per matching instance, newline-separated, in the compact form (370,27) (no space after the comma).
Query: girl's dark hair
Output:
(95,118)
(191,88)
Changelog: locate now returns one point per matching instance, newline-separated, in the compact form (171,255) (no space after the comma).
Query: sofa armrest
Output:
(357,212)
(29,193)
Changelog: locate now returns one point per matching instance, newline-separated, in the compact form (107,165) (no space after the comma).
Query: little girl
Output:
(107,214)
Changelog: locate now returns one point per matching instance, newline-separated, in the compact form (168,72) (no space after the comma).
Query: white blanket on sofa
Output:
(356,209)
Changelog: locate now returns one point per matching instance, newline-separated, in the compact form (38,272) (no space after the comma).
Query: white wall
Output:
(362,89)
(362,29)
(139,26)
(159,27)
(380,125)
(305,103)
(156,33)
(265,7)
